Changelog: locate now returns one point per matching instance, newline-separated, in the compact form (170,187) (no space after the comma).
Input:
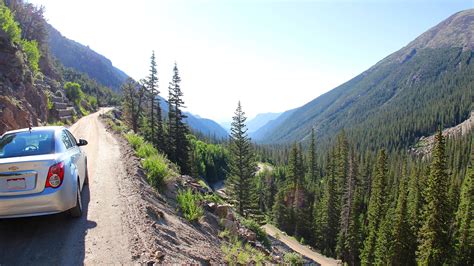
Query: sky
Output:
(271,55)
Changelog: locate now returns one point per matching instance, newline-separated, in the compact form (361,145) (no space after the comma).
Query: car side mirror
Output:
(82,142)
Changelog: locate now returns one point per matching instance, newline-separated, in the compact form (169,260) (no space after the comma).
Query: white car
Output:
(42,171)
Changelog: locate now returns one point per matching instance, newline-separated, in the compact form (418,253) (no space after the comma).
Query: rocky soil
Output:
(426,144)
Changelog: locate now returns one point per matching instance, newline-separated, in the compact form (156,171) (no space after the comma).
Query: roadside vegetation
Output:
(238,253)
(189,204)
(156,166)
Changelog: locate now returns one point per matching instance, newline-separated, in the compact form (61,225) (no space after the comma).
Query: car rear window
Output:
(26,143)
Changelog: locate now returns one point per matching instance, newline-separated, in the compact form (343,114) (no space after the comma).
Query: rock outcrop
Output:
(21,102)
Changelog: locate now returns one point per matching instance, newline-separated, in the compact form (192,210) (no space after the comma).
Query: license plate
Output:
(16,184)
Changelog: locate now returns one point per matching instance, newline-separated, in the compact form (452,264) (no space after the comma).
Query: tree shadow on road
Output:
(46,240)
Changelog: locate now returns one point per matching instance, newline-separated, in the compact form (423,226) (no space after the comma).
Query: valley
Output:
(375,171)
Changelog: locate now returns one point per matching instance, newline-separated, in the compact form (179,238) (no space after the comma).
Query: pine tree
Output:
(414,205)
(345,251)
(375,210)
(133,94)
(313,172)
(401,232)
(327,219)
(155,118)
(280,210)
(434,244)
(242,166)
(178,145)
(464,222)
(384,239)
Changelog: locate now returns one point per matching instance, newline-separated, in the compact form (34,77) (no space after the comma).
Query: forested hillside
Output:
(409,94)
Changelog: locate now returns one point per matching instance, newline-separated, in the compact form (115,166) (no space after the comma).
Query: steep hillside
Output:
(82,58)
(260,120)
(21,102)
(427,84)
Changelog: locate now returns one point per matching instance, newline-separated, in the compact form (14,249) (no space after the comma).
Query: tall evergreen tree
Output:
(434,244)
(327,219)
(313,171)
(242,166)
(414,208)
(464,223)
(402,236)
(344,248)
(376,209)
(178,145)
(155,118)
(133,94)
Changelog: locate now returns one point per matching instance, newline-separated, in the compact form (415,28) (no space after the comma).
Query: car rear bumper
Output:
(47,202)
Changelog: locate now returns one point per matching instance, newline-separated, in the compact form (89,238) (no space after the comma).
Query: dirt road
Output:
(100,236)
(296,246)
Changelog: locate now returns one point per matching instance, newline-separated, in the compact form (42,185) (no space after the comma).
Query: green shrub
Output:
(92,101)
(212,198)
(293,258)
(50,103)
(189,204)
(135,140)
(9,25)
(83,110)
(146,150)
(156,170)
(73,92)
(32,54)
(236,253)
(261,234)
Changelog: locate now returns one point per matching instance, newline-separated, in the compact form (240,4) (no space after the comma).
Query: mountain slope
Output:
(260,134)
(427,84)
(260,120)
(205,126)
(82,58)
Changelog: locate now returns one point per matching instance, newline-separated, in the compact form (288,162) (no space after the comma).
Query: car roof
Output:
(46,128)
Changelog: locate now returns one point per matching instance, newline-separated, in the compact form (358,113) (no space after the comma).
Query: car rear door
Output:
(77,156)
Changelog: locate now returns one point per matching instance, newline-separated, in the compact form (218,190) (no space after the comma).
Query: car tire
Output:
(76,212)
(86,179)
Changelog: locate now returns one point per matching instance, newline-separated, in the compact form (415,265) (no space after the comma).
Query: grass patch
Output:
(189,204)
(237,253)
(293,258)
(156,169)
(134,140)
(146,150)
(203,184)
(156,165)
(212,198)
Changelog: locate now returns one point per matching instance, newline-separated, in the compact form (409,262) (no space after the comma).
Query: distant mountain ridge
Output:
(409,94)
(260,120)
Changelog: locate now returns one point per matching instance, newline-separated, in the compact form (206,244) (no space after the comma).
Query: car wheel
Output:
(77,210)
(86,179)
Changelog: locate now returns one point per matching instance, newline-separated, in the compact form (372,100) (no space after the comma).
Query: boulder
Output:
(230,215)
(211,206)
(247,234)
(222,210)
(231,226)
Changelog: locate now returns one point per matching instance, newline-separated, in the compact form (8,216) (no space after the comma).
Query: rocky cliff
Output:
(21,102)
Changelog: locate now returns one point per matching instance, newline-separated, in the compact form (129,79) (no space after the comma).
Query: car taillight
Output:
(55,175)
